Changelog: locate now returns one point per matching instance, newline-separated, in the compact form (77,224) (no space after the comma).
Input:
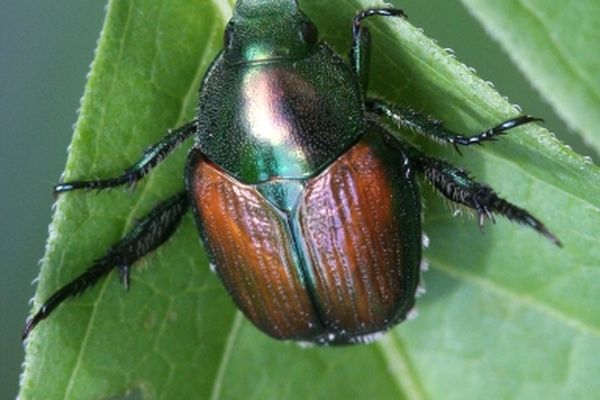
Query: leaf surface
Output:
(506,314)
(555,45)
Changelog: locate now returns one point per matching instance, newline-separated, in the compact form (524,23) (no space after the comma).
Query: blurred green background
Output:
(45,52)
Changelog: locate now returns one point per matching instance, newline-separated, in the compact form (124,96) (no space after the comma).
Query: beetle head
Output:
(268,30)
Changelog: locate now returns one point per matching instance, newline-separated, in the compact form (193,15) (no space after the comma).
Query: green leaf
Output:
(555,45)
(507,315)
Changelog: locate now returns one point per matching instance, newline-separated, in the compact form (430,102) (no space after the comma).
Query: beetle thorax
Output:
(260,121)
(265,108)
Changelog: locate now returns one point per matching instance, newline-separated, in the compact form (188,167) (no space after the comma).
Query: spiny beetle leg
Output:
(361,42)
(406,118)
(153,155)
(456,185)
(146,235)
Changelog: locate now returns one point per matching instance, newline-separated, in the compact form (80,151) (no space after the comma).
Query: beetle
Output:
(304,198)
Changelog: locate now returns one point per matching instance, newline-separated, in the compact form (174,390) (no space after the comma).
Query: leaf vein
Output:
(520,298)
(226,357)
(399,366)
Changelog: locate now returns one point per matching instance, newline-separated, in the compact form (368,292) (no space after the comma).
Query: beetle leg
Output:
(153,155)
(146,235)
(361,42)
(456,185)
(405,118)
(400,146)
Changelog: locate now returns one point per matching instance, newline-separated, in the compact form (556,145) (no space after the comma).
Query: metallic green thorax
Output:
(277,103)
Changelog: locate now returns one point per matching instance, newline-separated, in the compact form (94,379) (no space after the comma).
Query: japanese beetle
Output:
(306,203)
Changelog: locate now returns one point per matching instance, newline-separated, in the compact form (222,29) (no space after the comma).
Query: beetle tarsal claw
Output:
(124,275)
(481,220)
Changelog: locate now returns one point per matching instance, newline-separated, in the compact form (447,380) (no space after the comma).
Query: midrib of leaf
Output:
(226,356)
(515,297)
(404,374)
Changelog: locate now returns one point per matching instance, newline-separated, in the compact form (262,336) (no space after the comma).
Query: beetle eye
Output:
(309,32)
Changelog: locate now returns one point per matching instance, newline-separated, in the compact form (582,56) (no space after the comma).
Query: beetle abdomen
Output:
(360,223)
